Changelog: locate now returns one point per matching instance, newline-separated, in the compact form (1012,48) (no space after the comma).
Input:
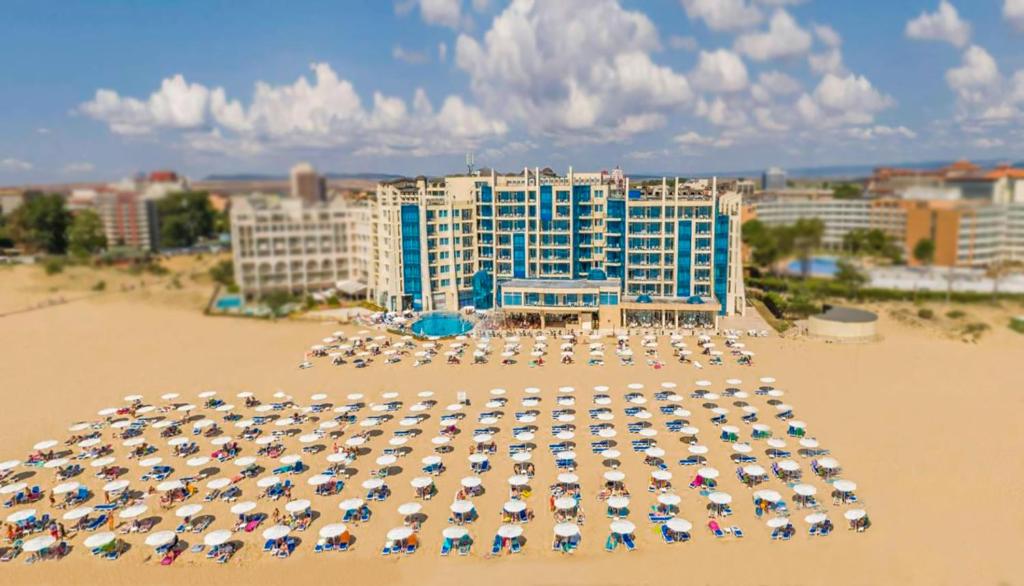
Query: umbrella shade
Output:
(421,482)
(333,530)
(679,525)
(45,445)
(218,483)
(519,480)
(218,537)
(567,529)
(855,514)
(243,507)
(720,498)
(399,534)
(133,511)
(669,499)
(297,506)
(319,480)
(622,527)
(268,481)
(768,495)
(160,538)
(276,532)
(66,487)
(815,518)
(461,507)
(754,470)
(76,514)
(565,503)
(663,475)
(618,502)
(454,532)
(510,531)
(789,466)
(22,515)
(373,483)
(845,485)
(245,461)
(777,522)
(805,490)
(39,543)
(351,504)
(188,510)
(709,473)
(522,457)
(614,476)
(515,506)
(407,509)
(471,481)
(99,540)
(570,478)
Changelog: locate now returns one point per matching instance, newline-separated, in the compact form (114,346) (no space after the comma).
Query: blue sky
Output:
(99,90)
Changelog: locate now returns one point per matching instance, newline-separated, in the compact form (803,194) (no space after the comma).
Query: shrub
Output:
(975,329)
(1017,324)
(955,314)
(53,266)
(925,313)
(100,286)
(775,303)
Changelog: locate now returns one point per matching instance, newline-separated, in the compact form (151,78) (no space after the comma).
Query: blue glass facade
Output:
(412,275)
(684,237)
(519,255)
(721,255)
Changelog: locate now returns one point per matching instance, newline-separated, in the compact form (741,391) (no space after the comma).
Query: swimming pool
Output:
(441,324)
(821,266)
(229,302)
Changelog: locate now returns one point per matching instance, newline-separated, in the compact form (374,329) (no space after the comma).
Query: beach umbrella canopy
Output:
(373,483)
(510,531)
(522,457)
(670,500)
(607,432)
(709,473)
(421,482)
(351,504)
(245,461)
(276,532)
(218,483)
(789,466)
(565,435)
(218,537)
(519,480)
(830,463)
(22,515)
(524,436)
(407,509)
(454,532)
(188,510)
(268,481)
(679,525)
(9,465)
(720,498)
(66,487)
(845,485)
(566,455)
(160,538)
(45,445)
(337,458)
(515,506)
(297,506)
(742,448)
(815,518)
(777,522)
(319,480)
(13,487)
(663,475)
(565,503)
(386,460)
(614,476)
(38,543)
(570,478)
(243,507)
(333,530)
(477,458)
(754,470)
(76,514)
(768,495)
(622,527)
(355,441)
(776,443)
(169,485)
(654,452)
(198,461)
(567,529)
(133,511)
(461,507)
(618,502)
(99,540)
(805,490)
(399,534)
(808,442)
(855,514)
(471,481)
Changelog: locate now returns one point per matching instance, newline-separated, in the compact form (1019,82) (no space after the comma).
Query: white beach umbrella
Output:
(38,543)
(720,498)
(78,513)
(188,510)
(218,537)
(622,527)
(21,516)
(243,507)
(276,532)
(160,538)
(133,511)
(99,539)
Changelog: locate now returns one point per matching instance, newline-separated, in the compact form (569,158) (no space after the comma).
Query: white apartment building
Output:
(290,245)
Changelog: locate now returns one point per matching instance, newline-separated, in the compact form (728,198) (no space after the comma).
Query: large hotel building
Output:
(590,248)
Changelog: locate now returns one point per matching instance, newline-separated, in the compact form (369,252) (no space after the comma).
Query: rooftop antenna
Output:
(470,162)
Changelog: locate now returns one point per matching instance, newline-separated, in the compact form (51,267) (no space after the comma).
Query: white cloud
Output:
(1013,12)
(784,38)
(400,53)
(481,5)
(988,143)
(42,130)
(828,35)
(599,80)
(881,131)
(774,83)
(79,167)
(692,138)
(977,74)
(15,165)
(639,123)
(322,112)
(442,52)
(720,71)
(829,61)
(721,113)
(842,100)
(442,12)
(984,95)
(944,24)
(682,43)
(723,15)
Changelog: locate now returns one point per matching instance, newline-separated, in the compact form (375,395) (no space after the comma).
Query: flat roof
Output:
(560,284)
(846,315)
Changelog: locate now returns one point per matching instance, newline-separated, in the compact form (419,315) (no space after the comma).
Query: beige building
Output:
(307,185)
(286,244)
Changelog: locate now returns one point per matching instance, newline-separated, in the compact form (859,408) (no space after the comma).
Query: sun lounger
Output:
(713,526)
(611,543)
(252,525)
(667,535)
(628,541)
(516,546)
(96,523)
(736,531)
(496,546)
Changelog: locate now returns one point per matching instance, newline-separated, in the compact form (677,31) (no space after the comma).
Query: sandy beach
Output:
(926,425)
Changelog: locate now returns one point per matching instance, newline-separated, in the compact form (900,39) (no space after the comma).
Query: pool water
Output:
(821,266)
(229,302)
(441,324)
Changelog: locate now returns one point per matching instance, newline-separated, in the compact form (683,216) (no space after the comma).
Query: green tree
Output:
(86,236)
(847,191)
(185,217)
(41,224)
(924,251)
(223,272)
(806,237)
(850,276)
(764,243)
(276,300)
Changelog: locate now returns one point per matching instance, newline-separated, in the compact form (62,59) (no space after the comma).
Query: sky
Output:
(101,90)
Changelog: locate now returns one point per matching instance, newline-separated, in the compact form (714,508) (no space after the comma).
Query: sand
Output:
(927,426)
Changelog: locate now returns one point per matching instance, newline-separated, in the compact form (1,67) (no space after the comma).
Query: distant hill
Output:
(824,172)
(249,177)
